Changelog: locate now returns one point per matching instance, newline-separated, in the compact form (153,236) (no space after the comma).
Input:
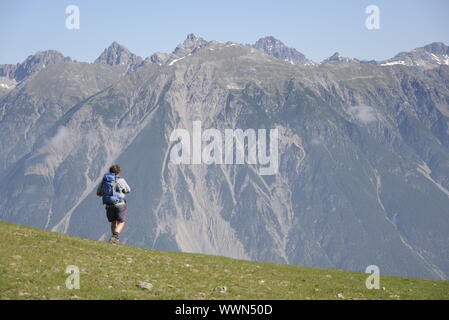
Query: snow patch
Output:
(391,63)
(440,58)
(176,60)
(234,86)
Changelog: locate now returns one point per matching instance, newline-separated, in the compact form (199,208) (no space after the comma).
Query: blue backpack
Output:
(109,188)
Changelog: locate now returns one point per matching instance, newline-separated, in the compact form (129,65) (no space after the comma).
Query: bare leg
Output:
(119,226)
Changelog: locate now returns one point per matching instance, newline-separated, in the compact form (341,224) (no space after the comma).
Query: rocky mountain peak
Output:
(33,63)
(427,57)
(276,48)
(117,54)
(191,37)
(337,57)
(437,48)
(269,43)
(190,44)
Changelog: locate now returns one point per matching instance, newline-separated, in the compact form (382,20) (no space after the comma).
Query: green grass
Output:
(33,263)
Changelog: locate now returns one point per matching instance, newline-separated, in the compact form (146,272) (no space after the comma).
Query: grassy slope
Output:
(33,261)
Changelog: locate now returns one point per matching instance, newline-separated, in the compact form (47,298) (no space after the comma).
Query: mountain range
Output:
(363,152)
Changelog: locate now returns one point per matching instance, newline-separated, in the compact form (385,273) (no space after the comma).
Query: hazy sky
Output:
(316,28)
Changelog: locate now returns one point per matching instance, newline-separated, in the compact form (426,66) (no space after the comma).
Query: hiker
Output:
(113,189)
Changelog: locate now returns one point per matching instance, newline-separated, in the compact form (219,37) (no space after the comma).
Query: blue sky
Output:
(316,28)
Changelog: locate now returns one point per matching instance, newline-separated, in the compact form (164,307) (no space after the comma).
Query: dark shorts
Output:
(116,212)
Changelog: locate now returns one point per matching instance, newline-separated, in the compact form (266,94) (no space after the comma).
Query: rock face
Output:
(337,57)
(32,64)
(8,70)
(191,44)
(437,48)
(429,56)
(32,112)
(117,54)
(278,49)
(363,157)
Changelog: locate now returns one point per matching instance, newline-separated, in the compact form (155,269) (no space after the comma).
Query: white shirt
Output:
(123,187)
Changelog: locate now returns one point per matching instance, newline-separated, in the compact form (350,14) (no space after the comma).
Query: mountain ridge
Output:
(33,63)
(117,54)
(428,56)
(363,157)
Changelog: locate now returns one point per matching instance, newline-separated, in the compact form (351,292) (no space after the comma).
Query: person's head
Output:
(115,169)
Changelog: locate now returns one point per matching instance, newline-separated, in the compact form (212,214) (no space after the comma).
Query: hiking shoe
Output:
(115,240)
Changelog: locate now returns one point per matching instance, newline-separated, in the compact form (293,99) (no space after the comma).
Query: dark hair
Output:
(115,169)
